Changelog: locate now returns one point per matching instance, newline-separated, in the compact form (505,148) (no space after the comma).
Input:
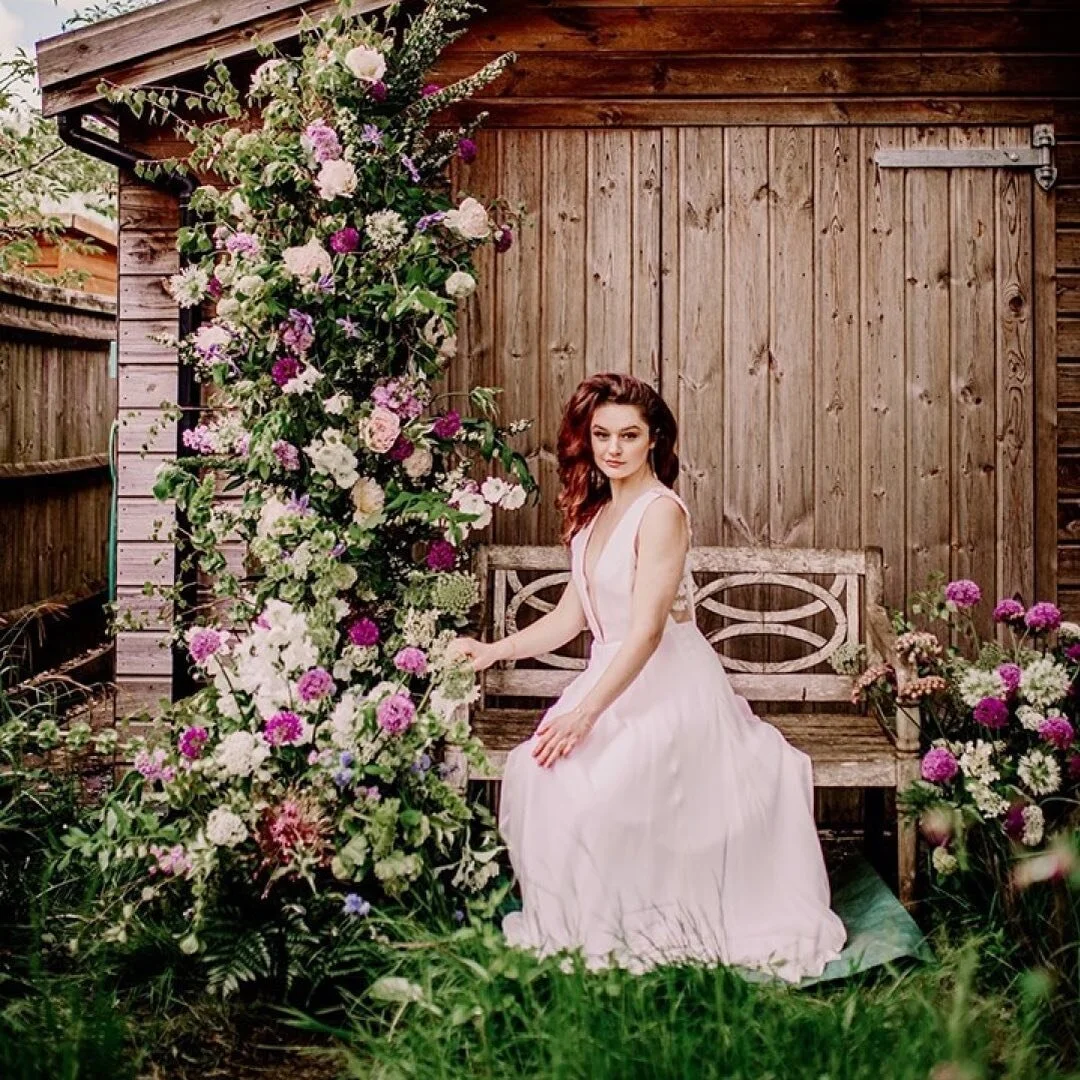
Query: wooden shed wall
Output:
(654,141)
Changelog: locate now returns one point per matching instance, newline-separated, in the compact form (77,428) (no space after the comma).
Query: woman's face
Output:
(620,440)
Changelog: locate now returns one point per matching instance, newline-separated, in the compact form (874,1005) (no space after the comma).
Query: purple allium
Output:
(447,425)
(1010,676)
(315,684)
(356,905)
(963,593)
(288,456)
(1013,824)
(992,712)
(324,141)
(395,713)
(1043,616)
(410,168)
(284,369)
(466,149)
(378,90)
(284,728)
(214,286)
(424,223)
(243,243)
(192,741)
(298,332)
(364,632)
(504,239)
(344,241)
(204,642)
(939,766)
(1009,611)
(401,449)
(430,88)
(371,135)
(412,660)
(1057,731)
(442,555)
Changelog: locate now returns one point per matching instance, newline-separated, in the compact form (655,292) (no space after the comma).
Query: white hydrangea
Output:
(343,721)
(385,229)
(274,513)
(1039,772)
(1034,826)
(976,684)
(329,454)
(1044,682)
(494,488)
(241,753)
(224,828)
(944,860)
(338,404)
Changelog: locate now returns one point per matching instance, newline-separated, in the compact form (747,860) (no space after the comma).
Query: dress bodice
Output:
(607,594)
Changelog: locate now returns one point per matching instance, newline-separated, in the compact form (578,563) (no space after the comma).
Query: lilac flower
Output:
(242,444)
(351,328)
(151,765)
(1058,731)
(378,90)
(504,239)
(324,141)
(325,283)
(1043,616)
(192,741)
(939,766)
(288,456)
(243,243)
(466,149)
(447,425)
(424,223)
(204,642)
(284,369)
(963,593)
(441,555)
(395,713)
(299,504)
(298,332)
(401,449)
(364,632)
(411,660)
(430,88)
(284,728)
(459,916)
(1009,611)
(1010,676)
(410,168)
(315,684)
(371,135)
(338,550)
(992,712)
(355,905)
(344,241)
(200,439)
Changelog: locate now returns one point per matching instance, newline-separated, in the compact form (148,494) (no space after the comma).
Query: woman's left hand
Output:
(559,735)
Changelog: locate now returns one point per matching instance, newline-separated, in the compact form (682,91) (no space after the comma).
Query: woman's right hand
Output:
(482,653)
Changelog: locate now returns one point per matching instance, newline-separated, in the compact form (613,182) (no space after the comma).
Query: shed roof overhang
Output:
(164,41)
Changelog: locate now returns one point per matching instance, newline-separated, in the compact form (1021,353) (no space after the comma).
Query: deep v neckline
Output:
(607,544)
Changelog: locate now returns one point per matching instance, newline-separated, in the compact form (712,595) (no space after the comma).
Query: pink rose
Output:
(381,429)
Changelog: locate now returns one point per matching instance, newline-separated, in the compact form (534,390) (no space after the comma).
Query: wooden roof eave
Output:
(163,41)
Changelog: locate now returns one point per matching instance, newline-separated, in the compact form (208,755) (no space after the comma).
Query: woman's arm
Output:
(560,625)
(663,541)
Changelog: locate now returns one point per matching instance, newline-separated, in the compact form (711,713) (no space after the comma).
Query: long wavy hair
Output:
(584,488)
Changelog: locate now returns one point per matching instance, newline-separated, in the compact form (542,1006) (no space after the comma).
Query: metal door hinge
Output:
(1039,156)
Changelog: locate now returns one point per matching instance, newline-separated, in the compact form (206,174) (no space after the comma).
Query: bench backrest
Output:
(833,590)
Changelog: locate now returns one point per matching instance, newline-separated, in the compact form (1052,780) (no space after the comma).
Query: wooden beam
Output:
(22,470)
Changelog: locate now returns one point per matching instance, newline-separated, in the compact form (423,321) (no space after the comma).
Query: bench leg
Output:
(907,833)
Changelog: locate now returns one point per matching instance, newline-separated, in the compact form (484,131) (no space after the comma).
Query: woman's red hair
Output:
(584,488)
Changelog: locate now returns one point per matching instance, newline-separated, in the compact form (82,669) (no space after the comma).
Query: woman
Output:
(651,817)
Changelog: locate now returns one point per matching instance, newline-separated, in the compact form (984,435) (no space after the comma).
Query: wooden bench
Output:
(837,601)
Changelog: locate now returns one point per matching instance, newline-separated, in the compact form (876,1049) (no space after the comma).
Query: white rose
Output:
(368,499)
(368,65)
(418,463)
(224,828)
(307,259)
(336,178)
(460,284)
(469,220)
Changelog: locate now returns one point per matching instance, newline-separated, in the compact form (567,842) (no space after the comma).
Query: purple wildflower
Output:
(1043,616)
(364,632)
(459,916)
(504,238)
(284,728)
(343,777)
(412,660)
(410,168)
(344,241)
(424,223)
(378,90)
(299,505)
(345,759)
(288,456)
(324,141)
(325,283)
(356,906)
(170,861)
(395,713)
(1057,731)
(350,328)
(441,555)
(939,766)
(284,369)
(992,712)
(1010,676)
(298,332)
(315,684)
(421,765)
(466,149)
(371,793)
(401,449)
(447,425)
(1009,611)
(963,593)
(371,135)
(192,741)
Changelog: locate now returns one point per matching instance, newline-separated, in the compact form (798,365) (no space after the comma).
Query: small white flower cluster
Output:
(1034,825)
(329,454)
(225,828)
(1044,682)
(189,286)
(241,753)
(494,491)
(976,684)
(385,230)
(1039,772)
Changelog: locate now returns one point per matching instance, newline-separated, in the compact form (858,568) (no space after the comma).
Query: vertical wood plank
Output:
(927,341)
(646,210)
(884,387)
(1015,405)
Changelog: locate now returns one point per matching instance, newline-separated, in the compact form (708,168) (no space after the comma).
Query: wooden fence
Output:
(57,405)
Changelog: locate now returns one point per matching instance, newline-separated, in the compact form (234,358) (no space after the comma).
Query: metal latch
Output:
(1037,156)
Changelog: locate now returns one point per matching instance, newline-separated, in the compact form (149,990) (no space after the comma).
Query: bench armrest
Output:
(882,640)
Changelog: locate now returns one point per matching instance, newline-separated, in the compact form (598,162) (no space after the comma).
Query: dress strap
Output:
(684,598)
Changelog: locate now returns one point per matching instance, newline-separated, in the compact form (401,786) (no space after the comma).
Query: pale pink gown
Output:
(682,827)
